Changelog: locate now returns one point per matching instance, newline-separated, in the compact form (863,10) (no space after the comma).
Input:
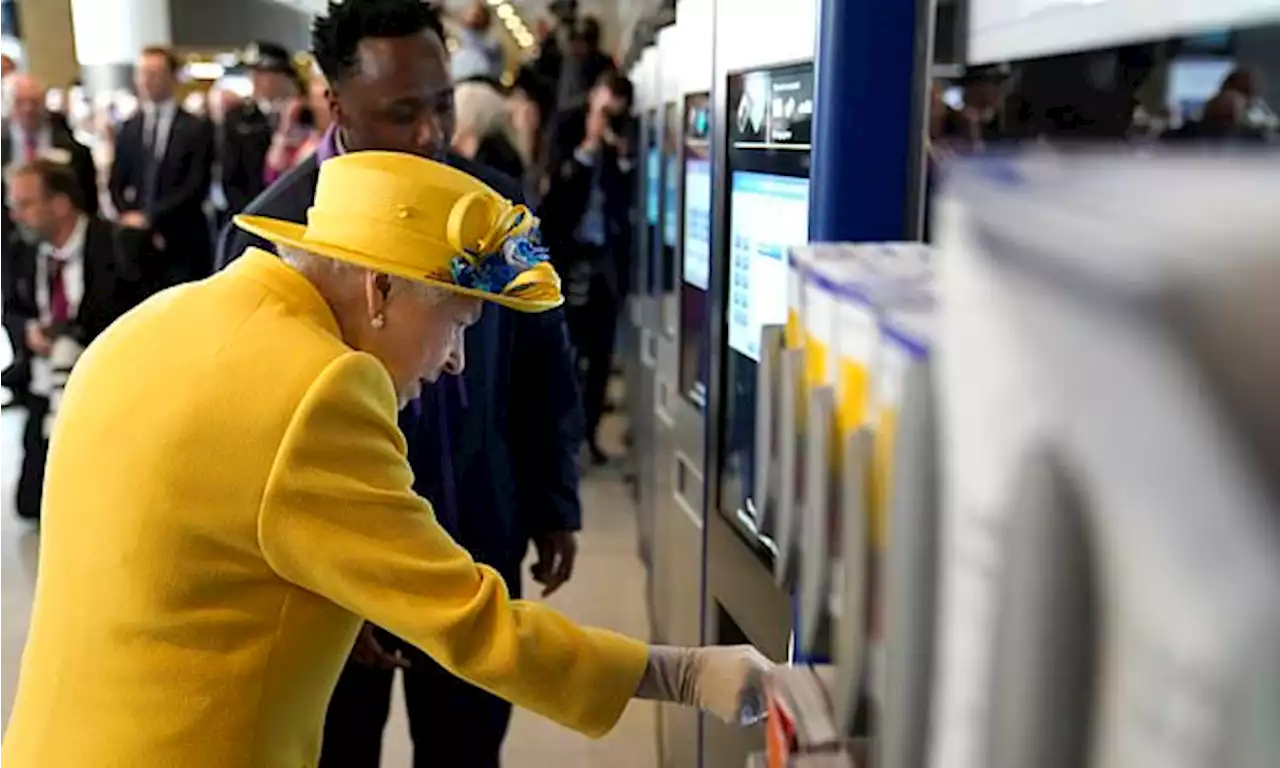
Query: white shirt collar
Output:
(163,108)
(43,137)
(74,247)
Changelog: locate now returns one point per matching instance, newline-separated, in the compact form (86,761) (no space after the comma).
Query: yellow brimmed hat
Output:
(414,218)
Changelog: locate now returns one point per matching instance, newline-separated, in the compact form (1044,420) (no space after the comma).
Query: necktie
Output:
(151,163)
(153,131)
(59,309)
(31,148)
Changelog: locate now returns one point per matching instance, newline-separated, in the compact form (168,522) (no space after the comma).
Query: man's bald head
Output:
(28,102)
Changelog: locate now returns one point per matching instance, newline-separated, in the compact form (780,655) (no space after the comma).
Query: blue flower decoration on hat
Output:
(517,252)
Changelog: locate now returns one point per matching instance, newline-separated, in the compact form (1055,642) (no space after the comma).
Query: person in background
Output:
(550,61)
(977,122)
(585,64)
(473,442)
(252,127)
(221,102)
(1258,114)
(31,132)
(318,100)
(586,221)
(295,139)
(478,56)
(484,130)
(162,170)
(531,102)
(84,275)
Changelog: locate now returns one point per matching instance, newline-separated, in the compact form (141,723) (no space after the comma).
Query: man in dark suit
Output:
(161,174)
(494,449)
(611,96)
(586,222)
(83,274)
(250,126)
(31,132)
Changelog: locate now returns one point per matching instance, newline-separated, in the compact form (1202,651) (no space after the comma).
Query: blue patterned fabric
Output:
(493,272)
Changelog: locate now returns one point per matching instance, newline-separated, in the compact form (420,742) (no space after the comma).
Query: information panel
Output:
(695,248)
(771,120)
(770,214)
(652,185)
(697,223)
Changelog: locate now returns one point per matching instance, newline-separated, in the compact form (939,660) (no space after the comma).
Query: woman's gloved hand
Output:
(727,681)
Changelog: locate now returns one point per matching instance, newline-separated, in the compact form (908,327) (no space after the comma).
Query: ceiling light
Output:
(505,11)
(525,40)
(514,23)
(496,2)
(204,70)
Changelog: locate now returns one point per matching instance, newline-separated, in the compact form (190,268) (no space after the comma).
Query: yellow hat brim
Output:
(290,234)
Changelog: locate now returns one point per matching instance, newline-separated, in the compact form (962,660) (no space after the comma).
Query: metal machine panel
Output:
(685,52)
(743,603)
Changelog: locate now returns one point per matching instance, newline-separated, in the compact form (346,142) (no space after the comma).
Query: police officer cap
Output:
(268,57)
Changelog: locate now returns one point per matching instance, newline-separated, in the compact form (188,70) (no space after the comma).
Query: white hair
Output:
(480,109)
(309,263)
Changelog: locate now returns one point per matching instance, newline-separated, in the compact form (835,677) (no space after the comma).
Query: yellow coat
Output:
(227,493)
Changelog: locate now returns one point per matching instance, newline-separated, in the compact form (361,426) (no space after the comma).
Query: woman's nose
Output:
(457,361)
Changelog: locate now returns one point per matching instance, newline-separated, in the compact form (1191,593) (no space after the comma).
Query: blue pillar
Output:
(868,119)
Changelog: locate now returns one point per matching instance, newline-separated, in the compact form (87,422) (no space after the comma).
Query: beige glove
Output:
(727,681)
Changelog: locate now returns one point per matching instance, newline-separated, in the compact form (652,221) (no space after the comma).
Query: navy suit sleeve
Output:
(232,243)
(547,425)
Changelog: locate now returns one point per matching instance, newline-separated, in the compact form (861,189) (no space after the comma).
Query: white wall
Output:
(115,31)
(1008,30)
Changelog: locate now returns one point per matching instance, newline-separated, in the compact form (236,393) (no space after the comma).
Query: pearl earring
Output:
(379,320)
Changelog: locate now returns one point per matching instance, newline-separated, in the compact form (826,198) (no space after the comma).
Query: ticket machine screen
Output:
(770,113)
(695,233)
(652,204)
(669,199)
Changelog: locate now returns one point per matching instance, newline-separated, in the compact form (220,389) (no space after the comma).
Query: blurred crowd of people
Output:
(1050,100)
(168,166)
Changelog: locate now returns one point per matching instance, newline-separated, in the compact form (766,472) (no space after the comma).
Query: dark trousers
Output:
(35,449)
(593,323)
(452,723)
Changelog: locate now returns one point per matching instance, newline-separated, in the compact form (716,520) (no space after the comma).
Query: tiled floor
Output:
(607,590)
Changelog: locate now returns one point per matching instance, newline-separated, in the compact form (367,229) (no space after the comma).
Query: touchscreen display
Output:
(668,200)
(768,212)
(695,244)
(697,222)
(671,201)
(652,185)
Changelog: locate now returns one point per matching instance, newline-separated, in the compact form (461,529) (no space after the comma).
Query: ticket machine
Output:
(640,356)
(762,111)
(680,381)
(1081,498)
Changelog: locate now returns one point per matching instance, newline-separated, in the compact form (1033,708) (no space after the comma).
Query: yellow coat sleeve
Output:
(339,518)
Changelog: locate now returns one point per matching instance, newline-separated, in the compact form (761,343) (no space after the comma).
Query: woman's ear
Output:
(377,289)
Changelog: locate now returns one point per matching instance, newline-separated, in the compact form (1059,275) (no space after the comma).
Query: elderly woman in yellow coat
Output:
(228,499)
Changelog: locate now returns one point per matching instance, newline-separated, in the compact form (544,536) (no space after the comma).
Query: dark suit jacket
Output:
(516,418)
(181,188)
(81,160)
(568,194)
(246,139)
(111,284)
